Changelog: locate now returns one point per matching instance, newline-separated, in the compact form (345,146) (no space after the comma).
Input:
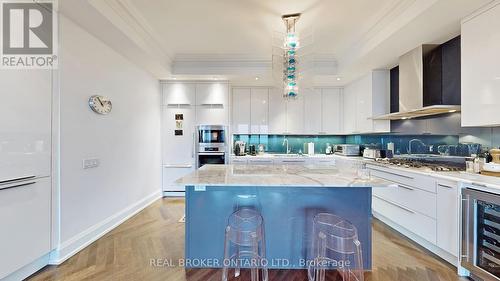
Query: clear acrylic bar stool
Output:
(245,245)
(335,242)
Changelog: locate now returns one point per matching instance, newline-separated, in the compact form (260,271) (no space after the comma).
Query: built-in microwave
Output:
(212,145)
(211,134)
(480,249)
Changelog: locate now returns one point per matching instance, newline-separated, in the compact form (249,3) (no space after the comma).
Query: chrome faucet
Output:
(285,140)
(412,141)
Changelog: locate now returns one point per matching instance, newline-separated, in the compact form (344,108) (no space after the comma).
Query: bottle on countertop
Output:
(328,149)
(477,165)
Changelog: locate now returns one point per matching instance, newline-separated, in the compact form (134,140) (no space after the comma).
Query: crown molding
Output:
(125,16)
(242,64)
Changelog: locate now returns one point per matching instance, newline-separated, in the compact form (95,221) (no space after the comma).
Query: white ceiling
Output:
(233,38)
(246,26)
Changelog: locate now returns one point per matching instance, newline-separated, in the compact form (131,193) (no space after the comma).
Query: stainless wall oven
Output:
(212,145)
(481,234)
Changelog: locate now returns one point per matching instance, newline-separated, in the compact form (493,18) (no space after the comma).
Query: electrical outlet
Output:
(91,163)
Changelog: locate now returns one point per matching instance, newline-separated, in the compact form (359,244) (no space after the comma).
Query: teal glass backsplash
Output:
(274,143)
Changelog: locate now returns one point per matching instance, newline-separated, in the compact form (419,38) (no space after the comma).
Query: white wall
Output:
(127,141)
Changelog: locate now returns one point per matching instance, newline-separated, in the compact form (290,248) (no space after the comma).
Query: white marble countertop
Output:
(473,179)
(277,175)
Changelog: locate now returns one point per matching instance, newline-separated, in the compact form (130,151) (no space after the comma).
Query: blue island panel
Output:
(288,214)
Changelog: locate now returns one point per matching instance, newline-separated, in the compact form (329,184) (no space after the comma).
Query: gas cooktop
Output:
(437,166)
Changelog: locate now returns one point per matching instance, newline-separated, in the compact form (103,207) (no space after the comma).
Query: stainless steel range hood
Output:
(412,86)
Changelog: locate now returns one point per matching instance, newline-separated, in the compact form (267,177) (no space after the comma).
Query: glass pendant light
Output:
(290,59)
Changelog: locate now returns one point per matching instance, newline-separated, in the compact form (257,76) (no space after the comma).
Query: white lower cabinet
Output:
(291,161)
(237,161)
(413,221)
(424,205)
(260,161)
(448,216)
(25,219)
(171,173)
(326,161)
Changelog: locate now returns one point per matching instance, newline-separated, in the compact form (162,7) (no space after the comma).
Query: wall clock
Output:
(100,104)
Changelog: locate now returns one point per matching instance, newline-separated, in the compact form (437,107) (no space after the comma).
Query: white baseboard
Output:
(28,269)
(174,193)
(417,239)
(72,246)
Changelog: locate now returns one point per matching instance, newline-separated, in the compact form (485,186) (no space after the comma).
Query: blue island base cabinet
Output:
(288,214)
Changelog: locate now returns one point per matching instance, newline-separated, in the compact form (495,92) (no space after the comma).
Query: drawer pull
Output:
(16,179)
(17,185)
(479,184)
(406,187)
(395,204)
(445,186)
(394,174)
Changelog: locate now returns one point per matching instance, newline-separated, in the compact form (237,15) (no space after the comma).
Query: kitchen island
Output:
(288,197)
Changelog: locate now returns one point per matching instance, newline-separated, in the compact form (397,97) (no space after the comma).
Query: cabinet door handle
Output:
(192,150)
(464,255)
(17,185)
(406,187)
(394,174)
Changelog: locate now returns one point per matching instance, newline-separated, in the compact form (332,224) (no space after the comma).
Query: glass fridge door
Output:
(488,237)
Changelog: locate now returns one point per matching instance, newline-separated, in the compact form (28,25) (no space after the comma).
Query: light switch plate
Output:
(91,163)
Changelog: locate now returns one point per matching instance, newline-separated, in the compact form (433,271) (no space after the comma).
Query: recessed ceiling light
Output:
(256,78)
(175,78)
(338,78)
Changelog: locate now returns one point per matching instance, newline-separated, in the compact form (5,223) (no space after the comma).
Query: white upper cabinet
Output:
(277,112)
(212,94)
(241,111)
(295,115)
(259,111)
(481,68)
(313,111)
(349,111)
(364,98)
(265,111)
(331,111)
(212,115)
(179,94)
(212,104)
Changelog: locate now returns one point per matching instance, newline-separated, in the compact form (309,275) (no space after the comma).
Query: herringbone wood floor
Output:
(155,233)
